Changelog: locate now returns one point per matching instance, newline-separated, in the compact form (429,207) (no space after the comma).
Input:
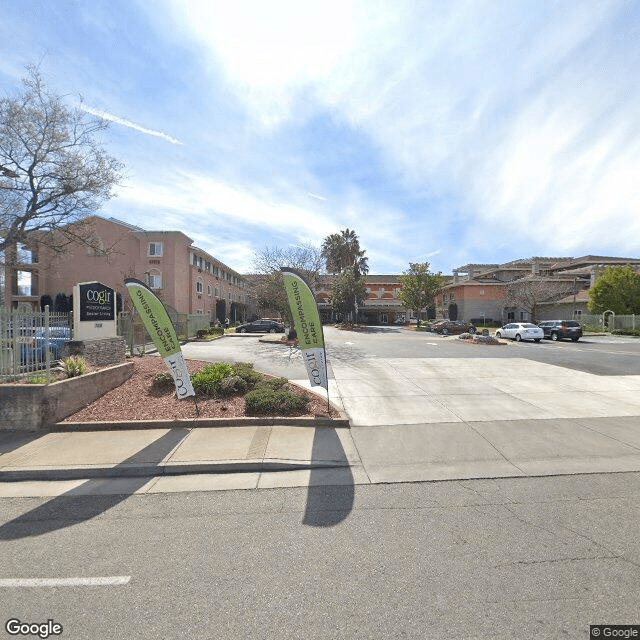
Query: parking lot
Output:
(601,355)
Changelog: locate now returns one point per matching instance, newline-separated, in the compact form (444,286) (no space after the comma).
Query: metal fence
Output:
(31,342)
(138,339)
(609,321)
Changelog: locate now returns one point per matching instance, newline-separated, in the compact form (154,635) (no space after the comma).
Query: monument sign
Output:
(94,311)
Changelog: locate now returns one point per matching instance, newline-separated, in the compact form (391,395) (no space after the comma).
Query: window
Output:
(209,290)
(155,249)
(155,281)
(26,256)
(199,287)
(207,266)
(25,285)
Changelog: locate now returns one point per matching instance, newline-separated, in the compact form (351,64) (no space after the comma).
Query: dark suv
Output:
(560,329)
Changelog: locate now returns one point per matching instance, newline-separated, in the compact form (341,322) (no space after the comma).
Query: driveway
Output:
(417,413)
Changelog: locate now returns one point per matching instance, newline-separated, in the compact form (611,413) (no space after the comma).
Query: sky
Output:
(456,132)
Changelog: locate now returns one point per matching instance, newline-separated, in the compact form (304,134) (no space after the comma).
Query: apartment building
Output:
(478,290)
(382,305)
(186,278)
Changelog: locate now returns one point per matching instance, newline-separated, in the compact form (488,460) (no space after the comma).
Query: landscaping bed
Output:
(138,398)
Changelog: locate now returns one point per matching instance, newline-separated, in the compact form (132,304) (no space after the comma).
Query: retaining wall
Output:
(99,352)
(30,407)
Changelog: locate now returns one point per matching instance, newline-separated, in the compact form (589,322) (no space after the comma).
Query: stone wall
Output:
(29,407)
(98,353)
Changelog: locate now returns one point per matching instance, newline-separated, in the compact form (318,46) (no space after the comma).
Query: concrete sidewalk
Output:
(411,420)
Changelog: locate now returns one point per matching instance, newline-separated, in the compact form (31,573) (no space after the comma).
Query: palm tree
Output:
(342,250)
(343,256)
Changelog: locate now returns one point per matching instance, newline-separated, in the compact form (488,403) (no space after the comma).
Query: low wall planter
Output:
(27,407)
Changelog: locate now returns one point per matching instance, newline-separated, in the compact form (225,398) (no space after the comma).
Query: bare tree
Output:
(268,285)
(53,171)
(530,292)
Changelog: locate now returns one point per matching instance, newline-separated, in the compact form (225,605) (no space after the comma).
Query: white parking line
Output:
(98,581)
(592,349)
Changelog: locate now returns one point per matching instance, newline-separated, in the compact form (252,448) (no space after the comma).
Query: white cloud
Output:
(127,123)
(520,117)
(192,193)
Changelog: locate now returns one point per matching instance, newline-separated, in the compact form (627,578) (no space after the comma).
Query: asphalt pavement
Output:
(411,419)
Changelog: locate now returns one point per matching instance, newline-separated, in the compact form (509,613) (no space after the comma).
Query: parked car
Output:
(560,329)
(34,350)
(453,327)
(520,331)
(261,326)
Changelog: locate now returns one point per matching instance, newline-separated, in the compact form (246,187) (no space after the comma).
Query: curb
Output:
(199,423)
(164,469)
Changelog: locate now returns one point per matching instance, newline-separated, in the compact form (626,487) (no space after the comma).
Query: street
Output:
(493,559)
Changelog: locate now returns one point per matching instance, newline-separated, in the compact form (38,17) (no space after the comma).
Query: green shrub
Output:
(73,366)
(211,331)
(232,384)
(593,328)
(246,372)
(264,399)
(37,378)
(626,332)
(207,380)
(224,379)
(163,381)
(275,384)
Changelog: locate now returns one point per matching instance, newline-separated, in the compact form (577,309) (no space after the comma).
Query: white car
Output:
(520,331)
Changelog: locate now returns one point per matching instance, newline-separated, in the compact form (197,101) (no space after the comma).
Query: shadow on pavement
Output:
(10,440)
(328,504)
(75,506)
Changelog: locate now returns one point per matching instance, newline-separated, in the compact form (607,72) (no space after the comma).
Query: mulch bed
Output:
(135,399)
